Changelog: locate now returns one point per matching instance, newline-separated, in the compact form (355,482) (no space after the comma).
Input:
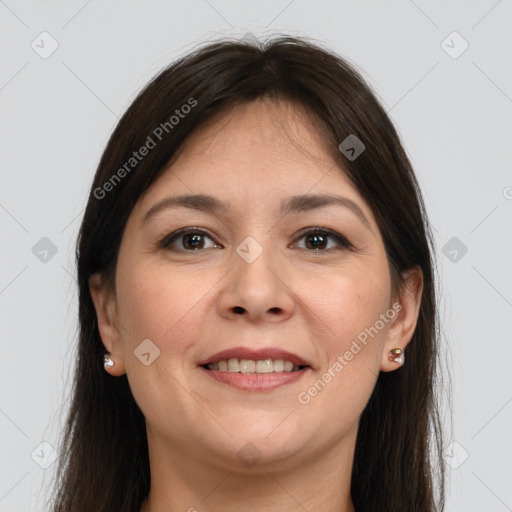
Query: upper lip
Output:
(254,355)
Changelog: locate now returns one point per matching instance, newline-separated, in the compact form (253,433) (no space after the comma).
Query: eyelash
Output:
(180,233)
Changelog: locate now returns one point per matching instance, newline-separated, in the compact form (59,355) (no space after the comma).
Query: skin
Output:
(310,302)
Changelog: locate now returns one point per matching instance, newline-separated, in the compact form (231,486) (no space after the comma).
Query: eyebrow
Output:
(294,204)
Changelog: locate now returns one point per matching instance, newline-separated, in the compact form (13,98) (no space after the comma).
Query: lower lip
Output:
(255,381)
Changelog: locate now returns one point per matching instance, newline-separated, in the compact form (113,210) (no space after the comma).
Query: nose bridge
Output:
(256,287)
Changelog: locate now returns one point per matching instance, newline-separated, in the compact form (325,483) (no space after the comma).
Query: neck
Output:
(179,482)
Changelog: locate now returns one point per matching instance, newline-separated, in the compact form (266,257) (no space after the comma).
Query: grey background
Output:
(454,115)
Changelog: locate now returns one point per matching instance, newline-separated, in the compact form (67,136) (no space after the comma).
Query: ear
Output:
(404,323)
(106,311)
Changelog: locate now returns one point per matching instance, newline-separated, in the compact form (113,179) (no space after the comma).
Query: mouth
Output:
(255,370)
(261,366)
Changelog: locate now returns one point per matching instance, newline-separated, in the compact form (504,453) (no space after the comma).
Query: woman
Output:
(258,322)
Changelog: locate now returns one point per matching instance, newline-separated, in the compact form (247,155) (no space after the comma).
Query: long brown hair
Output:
(398,465)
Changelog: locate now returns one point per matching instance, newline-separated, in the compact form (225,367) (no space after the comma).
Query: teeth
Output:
(233,365)
(265,366)
(249,366)
(278,365)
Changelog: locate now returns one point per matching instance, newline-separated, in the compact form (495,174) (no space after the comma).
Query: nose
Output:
(259,290)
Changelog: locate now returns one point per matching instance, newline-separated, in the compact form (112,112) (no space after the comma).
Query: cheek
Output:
(161,305)
(353,335)
(349,302)
(167,309)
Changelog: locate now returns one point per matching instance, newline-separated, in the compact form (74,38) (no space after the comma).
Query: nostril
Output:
(238,309)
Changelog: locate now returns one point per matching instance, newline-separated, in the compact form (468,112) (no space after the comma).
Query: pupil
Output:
(196,239)
(319,241)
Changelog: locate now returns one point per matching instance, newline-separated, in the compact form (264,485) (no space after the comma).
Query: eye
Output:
(191,239)
(317,239)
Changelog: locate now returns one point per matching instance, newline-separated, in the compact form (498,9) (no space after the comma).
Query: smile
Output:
(248,366)
(247,369)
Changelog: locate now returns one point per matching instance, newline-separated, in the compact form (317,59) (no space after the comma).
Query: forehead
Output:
(263,128)
(255,154)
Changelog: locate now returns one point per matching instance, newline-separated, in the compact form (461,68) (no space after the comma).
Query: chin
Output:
(266,446)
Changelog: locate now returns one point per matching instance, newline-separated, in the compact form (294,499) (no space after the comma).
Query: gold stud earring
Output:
(398,355)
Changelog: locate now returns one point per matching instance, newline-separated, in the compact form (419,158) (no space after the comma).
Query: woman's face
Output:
(253,280)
